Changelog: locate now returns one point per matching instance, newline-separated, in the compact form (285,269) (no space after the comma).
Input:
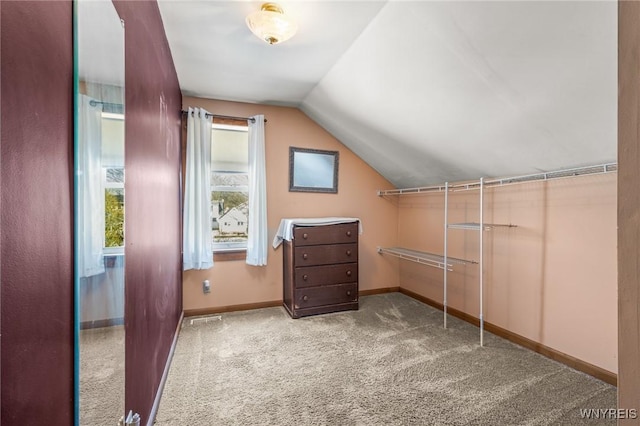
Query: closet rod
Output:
(493,182)
(557,174)
(230,117)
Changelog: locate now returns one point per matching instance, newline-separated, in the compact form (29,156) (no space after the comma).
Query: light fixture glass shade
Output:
(271,24)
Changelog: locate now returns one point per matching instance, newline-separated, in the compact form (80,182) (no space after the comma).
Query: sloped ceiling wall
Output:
(217,57)
(424,91)
(448,91)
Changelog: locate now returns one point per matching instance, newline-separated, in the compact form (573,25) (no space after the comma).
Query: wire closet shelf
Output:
(446,262)
(493,182)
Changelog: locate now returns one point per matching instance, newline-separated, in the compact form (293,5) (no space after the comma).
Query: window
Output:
(229,187)
(113,207)
(113,181)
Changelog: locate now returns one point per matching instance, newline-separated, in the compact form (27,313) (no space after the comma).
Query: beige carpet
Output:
(101,376)
(390,363)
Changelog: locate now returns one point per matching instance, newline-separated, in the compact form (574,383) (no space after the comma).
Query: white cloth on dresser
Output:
(285,230)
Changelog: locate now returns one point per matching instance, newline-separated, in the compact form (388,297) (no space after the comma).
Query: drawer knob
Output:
(348,292)
(305,236)
(305,298)
(348,252)
(348,233)
(304,277)
(348,273)
(304,256)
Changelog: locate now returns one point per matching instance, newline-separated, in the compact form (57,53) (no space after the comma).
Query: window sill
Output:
(112,251)
(227,255)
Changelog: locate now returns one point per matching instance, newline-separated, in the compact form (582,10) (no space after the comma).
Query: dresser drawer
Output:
(328,274)
(326,295)
(329,234)
(320,269)
(325,254)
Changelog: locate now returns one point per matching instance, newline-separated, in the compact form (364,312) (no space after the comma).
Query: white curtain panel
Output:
(90,191)
(257,243)
(197,243)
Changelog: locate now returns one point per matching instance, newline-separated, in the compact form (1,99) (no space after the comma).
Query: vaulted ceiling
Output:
(423,91)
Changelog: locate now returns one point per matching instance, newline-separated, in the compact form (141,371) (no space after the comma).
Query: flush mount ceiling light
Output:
(271,24)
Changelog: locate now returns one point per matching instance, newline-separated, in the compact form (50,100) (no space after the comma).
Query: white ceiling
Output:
(217,56)
(100,43)
(423,91)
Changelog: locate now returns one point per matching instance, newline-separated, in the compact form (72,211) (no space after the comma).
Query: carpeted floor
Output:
(101,376)
(390,363)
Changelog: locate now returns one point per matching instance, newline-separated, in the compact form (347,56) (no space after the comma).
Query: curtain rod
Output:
(228,116)
(93,102)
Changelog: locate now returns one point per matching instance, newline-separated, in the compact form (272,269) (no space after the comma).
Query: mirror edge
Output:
(76,279)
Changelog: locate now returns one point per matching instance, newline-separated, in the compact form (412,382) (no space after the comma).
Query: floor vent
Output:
(204,320)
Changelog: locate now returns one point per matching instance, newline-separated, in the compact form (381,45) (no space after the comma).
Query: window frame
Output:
(106,185)
(230,250)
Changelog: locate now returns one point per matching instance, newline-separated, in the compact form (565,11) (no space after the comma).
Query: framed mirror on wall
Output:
(313,170)
(99,202)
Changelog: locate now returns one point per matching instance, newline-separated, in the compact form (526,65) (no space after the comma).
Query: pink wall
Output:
(152,218)
(37,209)
(37,213)
(234,282)
(552,279)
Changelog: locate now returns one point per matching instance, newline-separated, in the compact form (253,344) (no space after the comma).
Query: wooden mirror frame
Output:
(324,181)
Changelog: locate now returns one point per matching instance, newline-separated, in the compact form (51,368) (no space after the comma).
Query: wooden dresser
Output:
(321,269)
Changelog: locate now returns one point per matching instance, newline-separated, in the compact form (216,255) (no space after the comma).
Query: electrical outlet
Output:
(206,286)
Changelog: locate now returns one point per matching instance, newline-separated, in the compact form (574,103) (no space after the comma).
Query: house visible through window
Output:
(229,187)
